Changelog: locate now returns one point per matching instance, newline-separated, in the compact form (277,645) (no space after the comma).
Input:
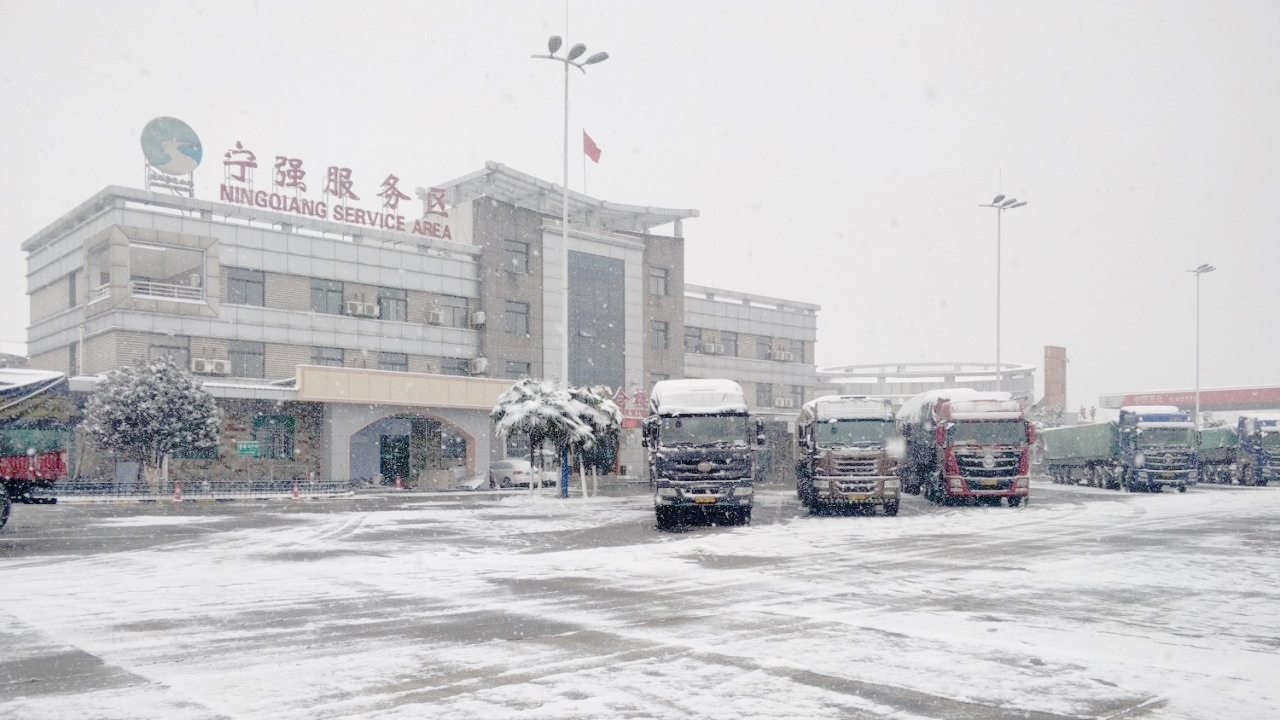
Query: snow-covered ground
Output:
(1087,603)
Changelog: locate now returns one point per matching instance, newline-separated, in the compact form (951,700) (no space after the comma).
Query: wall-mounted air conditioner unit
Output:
(477,319)
(479,365)
(360,308)
(200,366)
(220,367)
(782,355)
(435,317)
(713,348)
(783,402)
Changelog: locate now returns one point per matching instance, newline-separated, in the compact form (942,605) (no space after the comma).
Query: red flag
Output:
(590,148)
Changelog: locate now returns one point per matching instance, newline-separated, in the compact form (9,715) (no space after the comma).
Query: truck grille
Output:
(1165,460)
(984,463)
(855,465)
(719,469)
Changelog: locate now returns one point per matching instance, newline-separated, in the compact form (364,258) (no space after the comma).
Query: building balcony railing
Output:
(146,288)
(99,293)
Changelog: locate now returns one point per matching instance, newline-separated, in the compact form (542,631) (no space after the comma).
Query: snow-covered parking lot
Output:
(1087,603)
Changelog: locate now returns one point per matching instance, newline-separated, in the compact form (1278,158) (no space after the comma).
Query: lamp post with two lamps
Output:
(1204,268)
(1001,204)
(570,59)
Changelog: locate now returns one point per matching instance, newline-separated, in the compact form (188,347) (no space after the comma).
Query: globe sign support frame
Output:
(171,150)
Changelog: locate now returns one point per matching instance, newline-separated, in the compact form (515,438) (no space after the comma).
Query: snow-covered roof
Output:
(523,190)
(17,382)
(696,397)
(846,407)
(915,407)
(1151,409)
(986,406)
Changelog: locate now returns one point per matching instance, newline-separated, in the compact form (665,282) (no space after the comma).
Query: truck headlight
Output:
(668,492)
(892,484)
(743,492)
(957,483)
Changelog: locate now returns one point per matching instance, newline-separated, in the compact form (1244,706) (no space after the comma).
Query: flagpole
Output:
(584,167)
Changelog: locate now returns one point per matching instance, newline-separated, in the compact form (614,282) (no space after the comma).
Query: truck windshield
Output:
(1165,436)
(852,432)
(987,432)
(704,430)
(1271,439)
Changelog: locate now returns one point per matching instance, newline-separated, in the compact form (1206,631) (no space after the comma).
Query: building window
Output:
(73,359)
(730,342)
(454,311)
(393,304)
(326,296)
(99,273)
(455,366)
(245,287)
(692,339)
(73,297)
(658,281)
(516,317)
(178,348)
(658,335)
(327,357)
(764,395)
(274,434)
(248,359)
(797,395)
(399,362)
(166,271)
(517,370)
(764,348)
(797,351)
(517,256)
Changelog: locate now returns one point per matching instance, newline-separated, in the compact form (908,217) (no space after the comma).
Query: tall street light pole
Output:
(1000,204)
(575,52)
(1205,268)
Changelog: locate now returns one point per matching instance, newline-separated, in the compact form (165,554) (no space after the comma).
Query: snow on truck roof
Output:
(1151,409)
(834,407)
(966,404)
(696,397)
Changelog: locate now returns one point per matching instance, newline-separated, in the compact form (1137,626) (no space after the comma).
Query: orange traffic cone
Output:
(295,490)
(177,492)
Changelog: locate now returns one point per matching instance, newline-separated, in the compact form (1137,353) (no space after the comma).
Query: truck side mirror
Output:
(1031,434)
(760,438)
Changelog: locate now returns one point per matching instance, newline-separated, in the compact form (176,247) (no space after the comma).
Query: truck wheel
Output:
(891,508)
(744,516)
(5,505)
(1182,488)
(665,517)
(1015,501)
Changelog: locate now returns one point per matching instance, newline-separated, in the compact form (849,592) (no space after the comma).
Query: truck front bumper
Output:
(704,495)
(960,486)
(856,490)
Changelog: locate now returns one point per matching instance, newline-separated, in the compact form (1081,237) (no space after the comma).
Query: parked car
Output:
(514,472)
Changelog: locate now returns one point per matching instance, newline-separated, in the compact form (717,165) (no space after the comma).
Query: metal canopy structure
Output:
(512,186)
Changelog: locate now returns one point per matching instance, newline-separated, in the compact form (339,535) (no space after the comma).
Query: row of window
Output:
(248,359)
(247,287)
(726,343)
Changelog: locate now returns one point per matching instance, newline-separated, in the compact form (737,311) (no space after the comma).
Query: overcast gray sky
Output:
(838,151)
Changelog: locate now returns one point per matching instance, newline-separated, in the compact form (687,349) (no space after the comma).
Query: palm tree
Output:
(544,410)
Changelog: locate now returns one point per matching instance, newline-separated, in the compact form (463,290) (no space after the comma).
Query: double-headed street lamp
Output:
(1204,268)
(1000,203)
(574,53)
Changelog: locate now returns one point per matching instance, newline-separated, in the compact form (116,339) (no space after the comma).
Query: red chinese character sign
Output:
(289,185)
